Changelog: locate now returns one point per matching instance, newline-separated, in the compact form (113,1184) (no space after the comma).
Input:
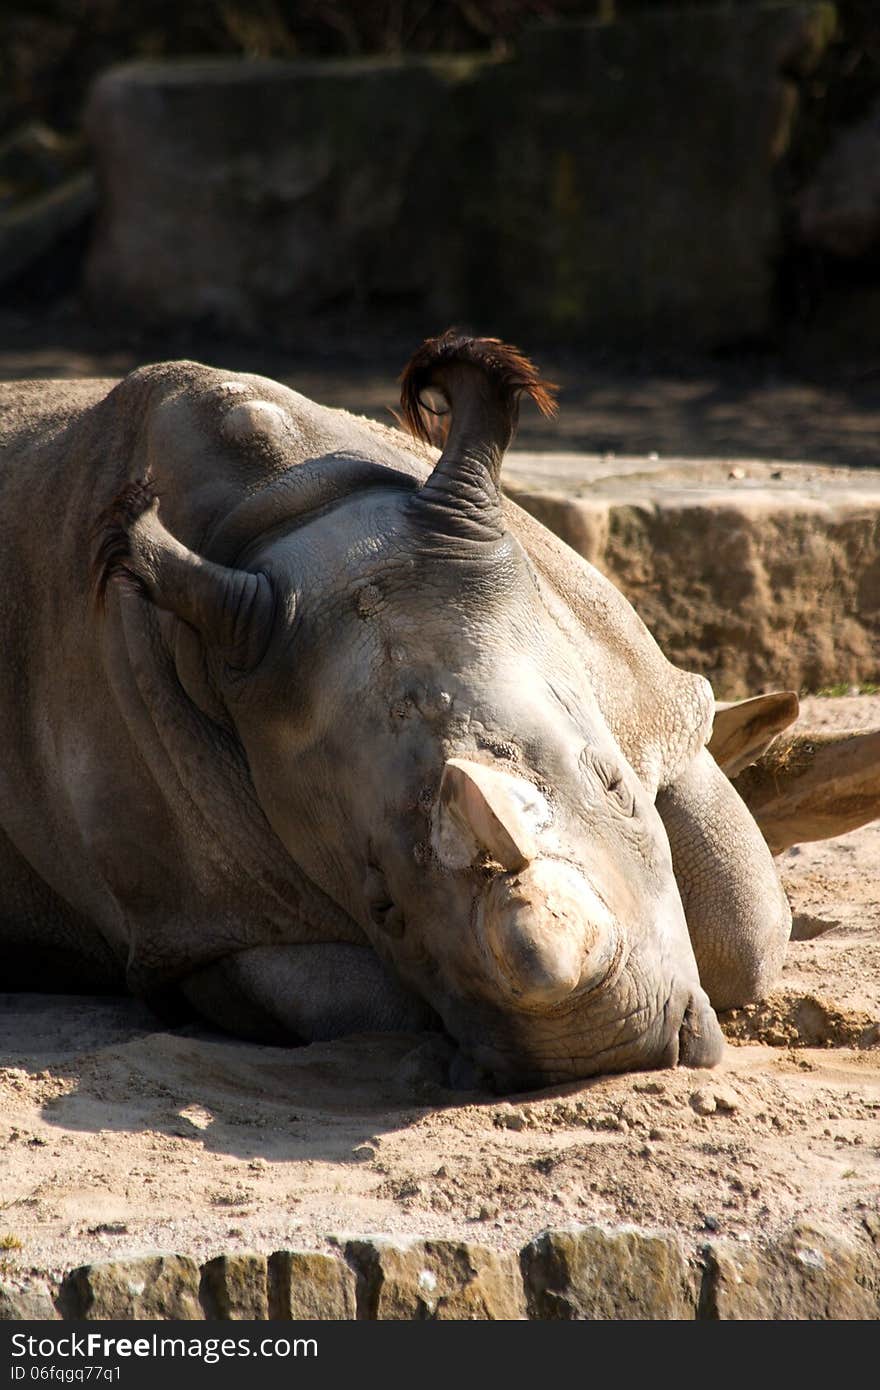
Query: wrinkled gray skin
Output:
(243,807)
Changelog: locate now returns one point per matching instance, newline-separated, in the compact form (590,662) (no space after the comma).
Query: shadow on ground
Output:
(752,406)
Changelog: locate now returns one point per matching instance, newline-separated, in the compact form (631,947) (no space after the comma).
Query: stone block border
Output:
(576,1273)
(759,585)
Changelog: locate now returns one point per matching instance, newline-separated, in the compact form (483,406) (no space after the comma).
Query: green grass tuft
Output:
(834,692)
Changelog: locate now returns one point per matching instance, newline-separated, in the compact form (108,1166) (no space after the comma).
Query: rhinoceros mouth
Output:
(683,1031)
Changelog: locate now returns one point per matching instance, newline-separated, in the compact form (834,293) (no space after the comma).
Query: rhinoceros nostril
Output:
(700,1039)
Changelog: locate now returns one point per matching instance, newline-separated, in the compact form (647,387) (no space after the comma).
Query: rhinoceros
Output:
(306,725)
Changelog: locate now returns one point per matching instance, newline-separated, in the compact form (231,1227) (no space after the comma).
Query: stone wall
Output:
(612,184)
(758,576)
(576,1273)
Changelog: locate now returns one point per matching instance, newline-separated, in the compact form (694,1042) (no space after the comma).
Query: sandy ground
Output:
(117,1137)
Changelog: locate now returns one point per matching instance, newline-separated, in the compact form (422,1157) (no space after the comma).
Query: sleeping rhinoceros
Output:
(311,727)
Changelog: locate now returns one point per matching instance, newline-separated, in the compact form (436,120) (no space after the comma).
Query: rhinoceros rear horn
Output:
(230,608)
(482,381)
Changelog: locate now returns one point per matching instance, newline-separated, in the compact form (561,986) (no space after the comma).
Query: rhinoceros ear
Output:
(482,380)
(482,811)
(230,608)
(743,731)
(813,786)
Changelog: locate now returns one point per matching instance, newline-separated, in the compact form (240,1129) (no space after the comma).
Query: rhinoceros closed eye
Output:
(381,907)
(610,778)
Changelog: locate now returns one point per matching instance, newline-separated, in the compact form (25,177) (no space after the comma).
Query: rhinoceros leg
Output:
(813,786)
(284,994)
(737,913)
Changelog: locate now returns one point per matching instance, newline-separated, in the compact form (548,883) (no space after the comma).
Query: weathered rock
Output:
(364,1153)
(30,229)
(435,1280)
(28,1302)
(781,585)
(726,1102)
(586,1272)
(305,1284)
(634,173)
(628,165)
(810,1273)
(714,1100)
(703,1101)
(234,1287)
(312,189)
(157,1286)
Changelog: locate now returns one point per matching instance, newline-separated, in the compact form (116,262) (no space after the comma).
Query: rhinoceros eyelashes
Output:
(232,609)
(112,555)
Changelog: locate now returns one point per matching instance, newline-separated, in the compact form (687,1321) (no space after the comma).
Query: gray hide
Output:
(350,747)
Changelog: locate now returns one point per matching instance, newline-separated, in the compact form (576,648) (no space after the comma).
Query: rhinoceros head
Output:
(423,737)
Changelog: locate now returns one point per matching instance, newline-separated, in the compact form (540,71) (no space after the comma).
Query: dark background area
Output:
(50,50)
(807,386)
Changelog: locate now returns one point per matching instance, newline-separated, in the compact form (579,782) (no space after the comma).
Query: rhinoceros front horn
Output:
(544,932)
(230,608)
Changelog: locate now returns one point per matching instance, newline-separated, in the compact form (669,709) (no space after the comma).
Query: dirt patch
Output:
(119,1138)
(800,1020)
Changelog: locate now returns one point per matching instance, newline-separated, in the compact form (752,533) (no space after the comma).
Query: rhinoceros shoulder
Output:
(660,715)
